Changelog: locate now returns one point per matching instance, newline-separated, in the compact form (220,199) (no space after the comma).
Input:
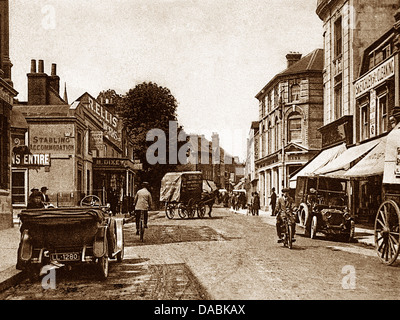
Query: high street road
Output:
(226,257)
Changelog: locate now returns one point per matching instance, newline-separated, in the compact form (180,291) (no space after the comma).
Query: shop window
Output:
(364,125)
(294,93)
(382,119)
(294,127)
(19,196)
(338,37)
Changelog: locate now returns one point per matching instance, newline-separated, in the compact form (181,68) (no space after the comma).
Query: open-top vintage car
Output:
(322,207)
(67,236)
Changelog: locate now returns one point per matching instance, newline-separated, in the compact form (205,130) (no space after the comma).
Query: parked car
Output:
(322,204)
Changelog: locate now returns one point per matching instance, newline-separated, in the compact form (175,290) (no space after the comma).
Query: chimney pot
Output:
(41,66)
(292,57)
(33,66)
(53,69)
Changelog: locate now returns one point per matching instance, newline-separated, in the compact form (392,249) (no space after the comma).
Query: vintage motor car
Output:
(86,234)
(322,204)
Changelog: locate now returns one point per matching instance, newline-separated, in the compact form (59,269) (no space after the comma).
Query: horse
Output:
(208,198)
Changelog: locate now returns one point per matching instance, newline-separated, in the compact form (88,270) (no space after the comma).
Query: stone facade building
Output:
(290,112)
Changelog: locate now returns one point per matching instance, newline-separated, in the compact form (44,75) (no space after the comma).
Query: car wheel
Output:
(313,227)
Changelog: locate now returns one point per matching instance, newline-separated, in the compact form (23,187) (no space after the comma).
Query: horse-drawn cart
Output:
(387,221)
(182,193)
(89,234)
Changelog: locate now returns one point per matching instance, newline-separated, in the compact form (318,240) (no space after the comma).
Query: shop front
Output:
(114,182)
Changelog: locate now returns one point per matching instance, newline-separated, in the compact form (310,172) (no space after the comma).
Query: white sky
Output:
(214,55)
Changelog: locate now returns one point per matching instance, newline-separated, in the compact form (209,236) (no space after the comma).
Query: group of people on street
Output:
(38,198)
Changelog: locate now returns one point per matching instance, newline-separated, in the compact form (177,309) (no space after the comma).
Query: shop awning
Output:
(322,159)
(372,164)
(343,161)
(391,173)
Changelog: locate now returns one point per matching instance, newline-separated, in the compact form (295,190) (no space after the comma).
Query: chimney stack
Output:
(292,58)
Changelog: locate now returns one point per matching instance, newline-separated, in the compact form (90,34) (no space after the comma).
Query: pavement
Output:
(9,240)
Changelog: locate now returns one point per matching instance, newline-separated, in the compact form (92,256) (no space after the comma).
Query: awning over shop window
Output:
(343,161)
(372,164)
(322,159)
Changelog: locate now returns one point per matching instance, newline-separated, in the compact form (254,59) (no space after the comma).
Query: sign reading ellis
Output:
(110,121)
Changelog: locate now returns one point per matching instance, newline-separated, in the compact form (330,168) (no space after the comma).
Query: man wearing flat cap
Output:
(143,202)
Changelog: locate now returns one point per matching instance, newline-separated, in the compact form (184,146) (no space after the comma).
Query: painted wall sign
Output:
(49,143)
(102,113)
(376,76)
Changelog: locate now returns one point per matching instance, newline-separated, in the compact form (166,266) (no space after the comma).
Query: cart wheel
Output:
(169,211)
(313,229)
(387,227)
(191,208)
(182,212)
(201,210)
(102,264)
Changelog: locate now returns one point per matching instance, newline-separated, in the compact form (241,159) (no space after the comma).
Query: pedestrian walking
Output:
(273,202)
(256,204)
(143,203)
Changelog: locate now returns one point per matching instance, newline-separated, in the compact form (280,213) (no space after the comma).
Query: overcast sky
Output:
(214,55)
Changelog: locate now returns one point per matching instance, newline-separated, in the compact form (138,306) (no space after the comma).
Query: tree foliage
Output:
(145,107)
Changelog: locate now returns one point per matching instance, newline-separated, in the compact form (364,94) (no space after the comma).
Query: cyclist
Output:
(284,207)
(142,203)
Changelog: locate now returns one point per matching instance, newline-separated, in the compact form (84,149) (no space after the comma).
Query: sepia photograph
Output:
(199,158)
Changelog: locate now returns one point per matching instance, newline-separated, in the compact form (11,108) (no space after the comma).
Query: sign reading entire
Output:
(25,160)
(374,77)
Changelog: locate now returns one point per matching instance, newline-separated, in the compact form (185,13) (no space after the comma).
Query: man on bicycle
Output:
(284,208)
(142,203)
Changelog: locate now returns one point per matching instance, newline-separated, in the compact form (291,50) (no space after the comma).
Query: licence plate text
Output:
(71,256)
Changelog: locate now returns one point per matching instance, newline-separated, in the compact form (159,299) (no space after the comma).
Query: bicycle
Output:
(288,233)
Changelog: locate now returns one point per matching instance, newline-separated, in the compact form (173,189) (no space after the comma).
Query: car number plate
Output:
(70,256)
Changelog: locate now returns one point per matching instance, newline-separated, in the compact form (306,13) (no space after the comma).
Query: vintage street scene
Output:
(221,153)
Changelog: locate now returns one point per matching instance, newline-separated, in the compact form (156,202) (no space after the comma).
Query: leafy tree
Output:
(143,108)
